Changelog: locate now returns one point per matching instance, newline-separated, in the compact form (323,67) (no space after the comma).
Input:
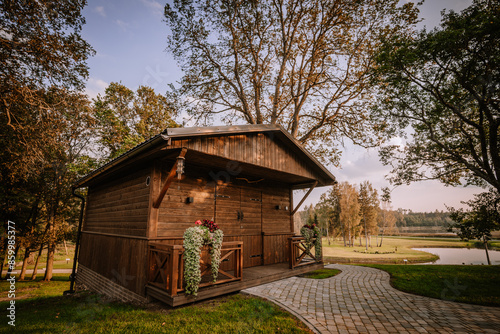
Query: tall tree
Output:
(349,211)
(369,207)
(302,64)
(40,46)
(386,217)
(444,85)
(482,217)
(127,118)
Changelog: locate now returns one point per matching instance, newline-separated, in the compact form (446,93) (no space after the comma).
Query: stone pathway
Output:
(361,300)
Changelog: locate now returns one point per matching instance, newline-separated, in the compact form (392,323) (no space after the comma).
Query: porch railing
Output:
(166,266)
(302,254)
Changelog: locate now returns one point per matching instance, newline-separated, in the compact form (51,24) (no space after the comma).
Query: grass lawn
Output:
(466,284)
(321,273)
(394,250)
(41,308)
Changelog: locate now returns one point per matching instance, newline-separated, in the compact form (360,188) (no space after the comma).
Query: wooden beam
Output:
(305,196)
(169,180)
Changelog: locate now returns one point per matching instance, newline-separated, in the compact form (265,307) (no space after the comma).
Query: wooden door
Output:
(238,212)
(251,226)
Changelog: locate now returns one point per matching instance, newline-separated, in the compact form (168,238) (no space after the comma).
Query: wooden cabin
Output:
(242,177)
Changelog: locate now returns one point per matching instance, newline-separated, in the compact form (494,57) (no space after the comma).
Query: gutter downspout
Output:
(77,245)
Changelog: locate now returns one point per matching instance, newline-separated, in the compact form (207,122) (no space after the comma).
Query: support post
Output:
(305,196)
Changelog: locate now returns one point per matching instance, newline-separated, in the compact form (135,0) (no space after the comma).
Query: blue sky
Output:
(129,37)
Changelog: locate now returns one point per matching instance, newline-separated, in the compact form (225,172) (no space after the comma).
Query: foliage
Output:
(443,86)
(38,168)
(310,232)
(194,239)
(465,284)
(436,218)
(368,207)
(127,118)
(40,47)
(349,211)
(302,64)
(478,222)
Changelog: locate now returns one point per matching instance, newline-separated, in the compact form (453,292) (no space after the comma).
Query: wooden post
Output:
(173,271)
(304,198)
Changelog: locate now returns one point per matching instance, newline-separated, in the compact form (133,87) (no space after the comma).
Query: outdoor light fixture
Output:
(180,167)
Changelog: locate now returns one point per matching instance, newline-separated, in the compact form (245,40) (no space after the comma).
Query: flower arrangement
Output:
(309,232)
(204,233)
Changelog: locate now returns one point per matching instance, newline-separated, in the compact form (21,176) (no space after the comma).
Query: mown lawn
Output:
(321,273)
(466,284)
(41,308)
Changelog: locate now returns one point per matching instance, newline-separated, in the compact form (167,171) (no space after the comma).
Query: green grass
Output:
(466,284)
(41,308)
(321,273)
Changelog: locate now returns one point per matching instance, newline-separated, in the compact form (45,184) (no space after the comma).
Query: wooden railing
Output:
(300,253)
(166,266)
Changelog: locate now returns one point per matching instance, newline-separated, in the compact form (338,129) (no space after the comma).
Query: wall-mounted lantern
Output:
(180,167)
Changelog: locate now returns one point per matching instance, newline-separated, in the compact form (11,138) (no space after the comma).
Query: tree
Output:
(302,64)
(329,209)
(127,118)
(40,46)
(349,211)
(369,207)
(444,86)
(386,217)
(478,222)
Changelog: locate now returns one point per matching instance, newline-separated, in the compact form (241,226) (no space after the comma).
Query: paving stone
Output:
(361,300)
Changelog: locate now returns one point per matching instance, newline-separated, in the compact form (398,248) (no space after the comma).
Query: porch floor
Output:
(251,277)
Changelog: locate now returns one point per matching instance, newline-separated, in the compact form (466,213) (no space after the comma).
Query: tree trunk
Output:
(486,249)
(381,238)
(35,268)
(51,248)
(27,253)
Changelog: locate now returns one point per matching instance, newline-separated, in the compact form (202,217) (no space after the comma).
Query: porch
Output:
(166,267)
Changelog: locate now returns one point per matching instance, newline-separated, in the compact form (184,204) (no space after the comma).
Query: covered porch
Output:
(166,268)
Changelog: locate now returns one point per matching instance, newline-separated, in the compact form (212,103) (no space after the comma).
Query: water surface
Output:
(462,255)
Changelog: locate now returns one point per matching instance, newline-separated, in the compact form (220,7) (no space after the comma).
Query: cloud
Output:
(95,86)
(122,24)
(100,10)
(155,6)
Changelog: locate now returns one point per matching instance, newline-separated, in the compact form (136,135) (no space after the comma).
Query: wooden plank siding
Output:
(120,206)
(253,148)
(242,210)
(123,260)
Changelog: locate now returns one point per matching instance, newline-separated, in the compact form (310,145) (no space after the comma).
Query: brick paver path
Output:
(361,300)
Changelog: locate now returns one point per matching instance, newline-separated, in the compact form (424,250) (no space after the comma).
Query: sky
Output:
(130,38)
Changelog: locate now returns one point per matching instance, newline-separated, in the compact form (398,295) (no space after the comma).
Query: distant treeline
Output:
(436,218)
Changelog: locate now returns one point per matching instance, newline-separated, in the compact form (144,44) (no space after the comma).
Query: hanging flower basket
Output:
(205,233)
(310,232)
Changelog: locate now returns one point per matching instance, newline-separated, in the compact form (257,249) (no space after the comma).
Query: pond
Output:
(462,255)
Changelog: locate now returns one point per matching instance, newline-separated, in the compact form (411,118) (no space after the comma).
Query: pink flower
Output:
(198,222)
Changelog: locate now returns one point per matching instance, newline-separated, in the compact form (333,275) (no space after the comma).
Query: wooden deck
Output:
(251,277)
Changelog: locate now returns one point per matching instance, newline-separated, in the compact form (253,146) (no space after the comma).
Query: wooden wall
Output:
(119,206)
(253,148)
(221,202)
(123,260)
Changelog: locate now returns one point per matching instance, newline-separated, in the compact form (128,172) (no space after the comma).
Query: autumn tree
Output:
(442,87)
(328,208)
(127,118)
(386,217)
(302,64)
(369,207)
(40,46)
(349,211)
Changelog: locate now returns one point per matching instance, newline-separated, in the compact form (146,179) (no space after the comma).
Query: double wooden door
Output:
(238,212)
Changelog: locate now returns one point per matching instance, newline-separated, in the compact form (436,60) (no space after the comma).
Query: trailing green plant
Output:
(312,233)
(204,233)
